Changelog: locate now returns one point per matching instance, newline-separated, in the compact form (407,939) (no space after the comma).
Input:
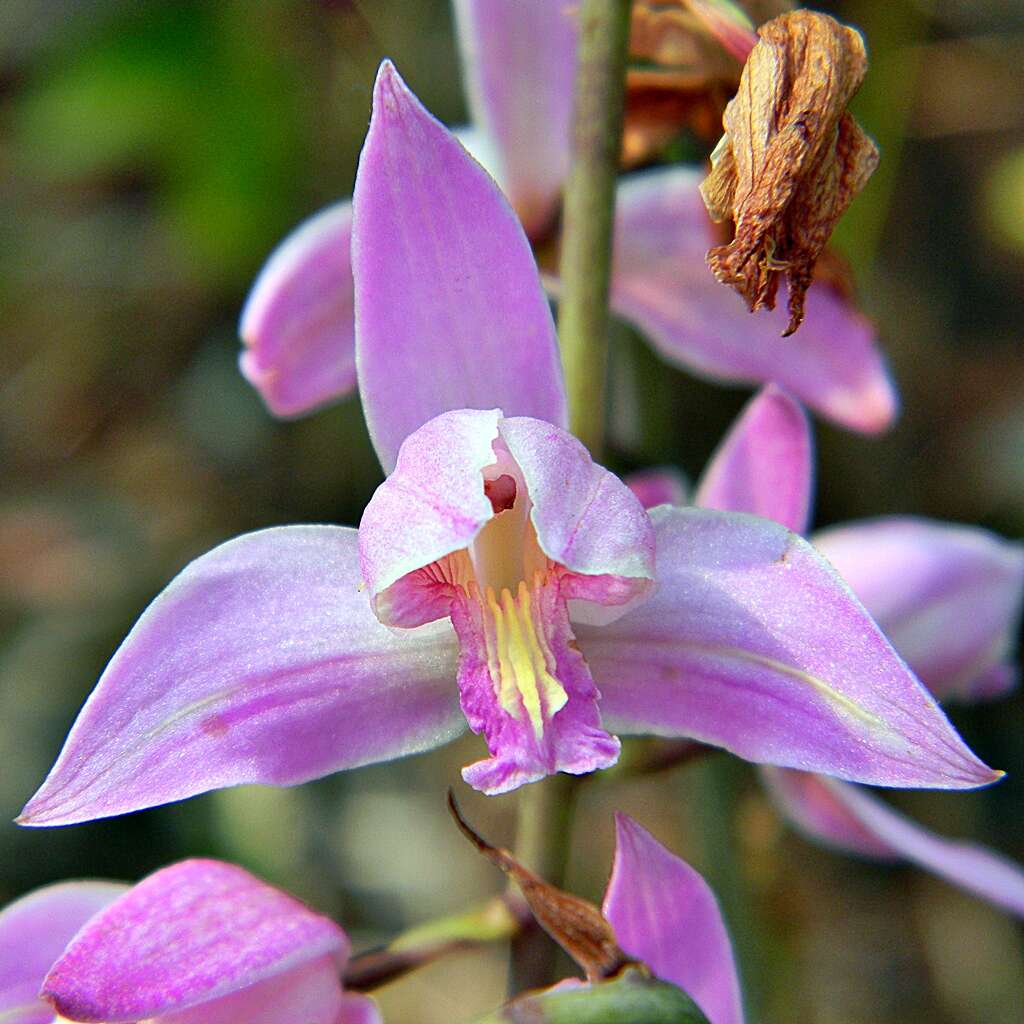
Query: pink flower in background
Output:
(519,61)
(947,596)
(200,942)
(34,931)
(496,556)
(204,942)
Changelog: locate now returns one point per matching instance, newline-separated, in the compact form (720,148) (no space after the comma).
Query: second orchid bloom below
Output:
(496,556)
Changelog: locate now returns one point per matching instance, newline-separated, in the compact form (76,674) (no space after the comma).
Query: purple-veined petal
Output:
(519,62)
(260,662)
(753,643)
(586,518)
(661,283)
(33,933)
(666,915)
(852,819)
(298,324)
(450,313)
(765,464)
(948,597)
(663,485)
(189,934)
(432,505)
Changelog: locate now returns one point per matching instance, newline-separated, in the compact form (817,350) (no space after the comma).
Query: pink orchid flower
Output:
(665,914)
(947,596)
(200,942)
(519,63)
(497,555)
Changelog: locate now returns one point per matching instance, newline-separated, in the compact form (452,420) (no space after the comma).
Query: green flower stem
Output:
(545,808)
(589,211)
(493,922)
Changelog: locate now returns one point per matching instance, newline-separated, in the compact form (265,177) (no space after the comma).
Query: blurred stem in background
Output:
(545,808)
(884,105)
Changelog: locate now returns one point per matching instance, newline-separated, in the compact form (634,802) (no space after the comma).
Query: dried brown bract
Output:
(792,157)
(575,924)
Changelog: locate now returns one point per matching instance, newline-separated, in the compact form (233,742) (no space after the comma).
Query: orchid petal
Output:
(519,62)
(431,505)
(660,282)
(661,486)
(948,597)
(186,935)
(435,504)
(666,915)
(880,831)
(298,323)
(765,464)
(753,643)
(33,933)
(586,518)
(450,313)
(261,662)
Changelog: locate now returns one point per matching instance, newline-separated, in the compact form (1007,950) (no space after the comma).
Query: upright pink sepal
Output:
(661,283)
(765,464)
(666,915)
(33,933)
(192,934)
(298,323)
(450,313)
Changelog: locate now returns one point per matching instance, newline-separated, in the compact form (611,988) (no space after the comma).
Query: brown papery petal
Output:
(792,157)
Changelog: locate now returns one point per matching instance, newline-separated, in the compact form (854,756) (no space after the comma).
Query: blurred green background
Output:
(151,154)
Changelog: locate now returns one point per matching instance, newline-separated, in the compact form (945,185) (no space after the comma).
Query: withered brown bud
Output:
(792,157)
(575,924)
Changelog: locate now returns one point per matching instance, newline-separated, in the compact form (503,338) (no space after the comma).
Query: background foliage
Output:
(151,153)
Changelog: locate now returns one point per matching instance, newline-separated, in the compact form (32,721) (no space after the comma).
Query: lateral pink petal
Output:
(432,505)
(947,596)
(450,313)
(519,62)
(663,485)
(852,819)
(298,324)
(765,464)
(753,643)
(586,518)
(666,915)
(261,662)
(661,283)
(186,935)
(33,933)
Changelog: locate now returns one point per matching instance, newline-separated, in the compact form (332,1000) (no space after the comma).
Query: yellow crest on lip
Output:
(520,660)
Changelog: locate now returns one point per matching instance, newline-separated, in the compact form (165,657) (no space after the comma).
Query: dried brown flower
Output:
(792,157)
(687,75)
